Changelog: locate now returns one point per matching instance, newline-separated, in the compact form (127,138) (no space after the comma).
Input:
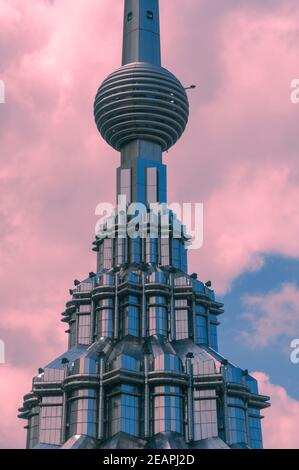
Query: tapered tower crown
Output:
(141,100)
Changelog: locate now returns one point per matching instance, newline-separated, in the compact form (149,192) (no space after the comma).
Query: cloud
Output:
(13,384)
(272,315)
(280,426)
(239,153)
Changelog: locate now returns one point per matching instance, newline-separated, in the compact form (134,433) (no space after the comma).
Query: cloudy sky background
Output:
(239,156)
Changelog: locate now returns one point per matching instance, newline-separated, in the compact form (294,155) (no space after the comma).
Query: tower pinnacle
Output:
(141,41)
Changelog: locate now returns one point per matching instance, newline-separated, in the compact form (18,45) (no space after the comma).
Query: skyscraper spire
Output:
(141,42)
(141,109)
(142,368)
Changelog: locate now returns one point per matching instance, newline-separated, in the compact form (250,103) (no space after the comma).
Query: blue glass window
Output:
(157,278)
(133,277)
(107,253)
(120,255)
(83,329)
(135,249)
(205,414)
(213,331)
(152,250)
(168,409)
(165,261)
(234,374)
(168,362)
(130,321)
(33,424)
(181,319)
(72,333)
(51,420)
(255,430)
(158,322)
(83,413)
(201,330)
(105,319)
(184,260)
(252,384)
(124,411)
(124,361)
(125,173)
(176,253)
(236,421)
(198,287)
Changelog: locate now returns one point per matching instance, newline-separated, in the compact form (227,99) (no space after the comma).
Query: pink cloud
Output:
(12,433)
(271,315)
(246,166)
(246,217)
(280,426)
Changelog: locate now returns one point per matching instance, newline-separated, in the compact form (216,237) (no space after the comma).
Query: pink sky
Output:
(239,156)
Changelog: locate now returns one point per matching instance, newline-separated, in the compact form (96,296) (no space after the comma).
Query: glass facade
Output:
(152,185)
(167,362)
(181,319)
(176,253)
(205,414)
(125,183)
(123,361)
(33,427)
(105,318)
(165,257)
(83,413)
(107,260)
(135,250)
(130,318)
(72,333)
(236,421)
(152,250)
(168,409)
(124,410)
(158,316)
(255,429)
(201,330)
(120,251)
(51,420)
(83,329)
(213,331)
(157,277)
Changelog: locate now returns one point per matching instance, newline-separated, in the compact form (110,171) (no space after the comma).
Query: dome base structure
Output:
(166,389)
